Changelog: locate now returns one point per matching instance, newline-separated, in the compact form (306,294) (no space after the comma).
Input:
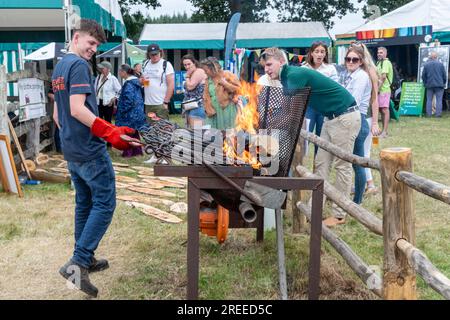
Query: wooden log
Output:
(430,188)
(363,271)
(43,175)
(399,281)
(33,137)
(361,214)
(430,274)
(338,152)
(152,192)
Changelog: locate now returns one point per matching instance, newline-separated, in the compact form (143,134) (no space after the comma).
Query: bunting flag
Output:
(248,53)
(258,52)
(300,57)
(291,55)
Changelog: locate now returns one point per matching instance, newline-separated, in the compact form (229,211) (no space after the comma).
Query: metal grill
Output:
(283,110)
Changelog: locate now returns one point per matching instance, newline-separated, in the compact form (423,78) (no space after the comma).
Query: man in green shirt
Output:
(342,122)
(386,75)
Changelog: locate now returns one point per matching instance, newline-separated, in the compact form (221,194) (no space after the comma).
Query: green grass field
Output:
(148,257)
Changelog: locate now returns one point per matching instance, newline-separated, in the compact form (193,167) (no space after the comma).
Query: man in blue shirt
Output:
(83,135)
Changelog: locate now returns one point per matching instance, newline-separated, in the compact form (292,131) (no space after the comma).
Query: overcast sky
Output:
(170,7)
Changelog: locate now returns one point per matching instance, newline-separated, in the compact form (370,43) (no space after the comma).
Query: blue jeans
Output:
(95,202)
(316,120)
(439,92)
(360,172)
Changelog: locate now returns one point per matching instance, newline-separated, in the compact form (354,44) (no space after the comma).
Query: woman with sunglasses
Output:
(220,96)
(317,59)
(357,81)
(372,114)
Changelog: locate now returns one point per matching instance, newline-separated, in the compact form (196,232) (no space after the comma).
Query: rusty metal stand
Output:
(199,178)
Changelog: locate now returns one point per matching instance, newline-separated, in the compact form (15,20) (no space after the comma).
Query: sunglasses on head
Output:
(352,60)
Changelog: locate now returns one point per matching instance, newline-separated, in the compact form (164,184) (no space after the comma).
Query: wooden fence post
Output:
(399,281)
(4,129)
(298,219)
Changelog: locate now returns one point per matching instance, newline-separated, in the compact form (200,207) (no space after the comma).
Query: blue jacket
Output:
(434,75)
(130,110)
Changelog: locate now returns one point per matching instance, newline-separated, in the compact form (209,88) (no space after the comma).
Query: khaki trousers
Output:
(342,132)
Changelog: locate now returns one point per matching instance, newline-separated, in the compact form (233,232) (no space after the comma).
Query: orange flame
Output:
(247,119)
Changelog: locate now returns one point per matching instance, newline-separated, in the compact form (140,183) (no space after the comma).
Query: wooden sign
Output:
(8,172)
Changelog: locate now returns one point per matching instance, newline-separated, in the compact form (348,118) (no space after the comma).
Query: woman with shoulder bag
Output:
(130,109)
(192,105)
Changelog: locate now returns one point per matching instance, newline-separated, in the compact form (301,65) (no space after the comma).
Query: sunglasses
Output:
(352,60)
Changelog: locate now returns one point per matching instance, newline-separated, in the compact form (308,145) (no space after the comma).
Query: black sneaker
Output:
(79,276)
(98,265)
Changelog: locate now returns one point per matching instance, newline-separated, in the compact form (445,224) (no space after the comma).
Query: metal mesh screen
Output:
(284,111)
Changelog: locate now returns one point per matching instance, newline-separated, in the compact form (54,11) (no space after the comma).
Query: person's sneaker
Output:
(78,276)
(153,159)
(98,265)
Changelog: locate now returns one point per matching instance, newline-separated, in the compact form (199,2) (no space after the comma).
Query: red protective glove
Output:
(111,133)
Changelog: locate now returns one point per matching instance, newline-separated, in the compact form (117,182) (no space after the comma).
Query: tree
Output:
(384,6)
(175,18)
(312,10)
(125,4)
(136,21)
(220,10)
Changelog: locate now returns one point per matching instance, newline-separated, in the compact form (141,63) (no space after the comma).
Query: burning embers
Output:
(243,145)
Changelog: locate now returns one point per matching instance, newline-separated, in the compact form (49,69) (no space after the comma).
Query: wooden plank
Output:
(19,148)
(3,102)
(145,200)
(25,127)
(23,74)
(153,192)
(399,280)
(154,212)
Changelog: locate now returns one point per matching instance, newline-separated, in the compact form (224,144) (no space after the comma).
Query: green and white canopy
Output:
(249,35)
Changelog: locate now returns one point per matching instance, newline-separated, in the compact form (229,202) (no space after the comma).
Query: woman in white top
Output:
(107,90)
(357,81)
(372,114)
(317,59)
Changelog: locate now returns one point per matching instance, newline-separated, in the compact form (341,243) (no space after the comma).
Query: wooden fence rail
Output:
(362,215)
(401,258)
(338,152)
(422,265)
(430,188)
(366,274)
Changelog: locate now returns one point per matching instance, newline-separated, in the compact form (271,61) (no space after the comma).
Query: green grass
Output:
(148,257)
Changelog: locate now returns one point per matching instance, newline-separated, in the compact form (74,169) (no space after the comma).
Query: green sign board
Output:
(411,100)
